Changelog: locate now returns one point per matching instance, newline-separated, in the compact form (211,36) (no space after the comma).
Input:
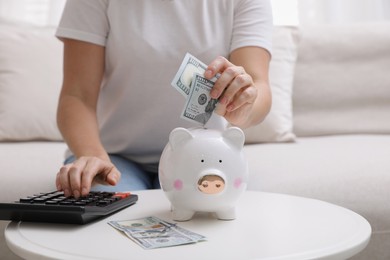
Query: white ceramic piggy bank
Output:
(204,170)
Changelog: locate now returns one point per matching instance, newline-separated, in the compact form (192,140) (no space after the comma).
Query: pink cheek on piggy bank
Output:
(178,184)
(237,183)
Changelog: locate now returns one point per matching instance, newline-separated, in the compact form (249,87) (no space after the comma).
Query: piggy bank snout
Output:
(211,182)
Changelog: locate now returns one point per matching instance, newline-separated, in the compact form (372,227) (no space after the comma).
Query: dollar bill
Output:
(199,106)
(152,232)
(150,224)
(183,78)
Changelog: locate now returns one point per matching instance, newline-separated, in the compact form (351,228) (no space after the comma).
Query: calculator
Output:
(54,207)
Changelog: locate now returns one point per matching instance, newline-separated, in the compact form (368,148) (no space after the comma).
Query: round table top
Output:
(268,226)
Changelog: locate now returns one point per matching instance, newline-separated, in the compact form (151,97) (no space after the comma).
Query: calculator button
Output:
(80,203)
(51,202)
(122,195)
(65,203)
(26,200)
(39,200)
(102,203)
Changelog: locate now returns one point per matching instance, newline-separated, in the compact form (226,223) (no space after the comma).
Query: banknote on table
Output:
(183,78)
(152,232)
(199,106)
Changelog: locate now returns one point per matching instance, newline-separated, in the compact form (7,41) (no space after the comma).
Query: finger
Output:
(240,81)
(246,96)
(113,177)
(94,168)
(58,182)
(75,173)
(63,170)
(238,116)
(238,90)
(89,173)
(63,180)
(227,77)
(237,82)
(219,64)
(220,109)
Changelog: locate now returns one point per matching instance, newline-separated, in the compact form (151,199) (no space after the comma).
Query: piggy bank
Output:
(204,170)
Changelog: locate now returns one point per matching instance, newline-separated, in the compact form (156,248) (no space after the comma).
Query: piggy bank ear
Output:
(178,136)
(234,136)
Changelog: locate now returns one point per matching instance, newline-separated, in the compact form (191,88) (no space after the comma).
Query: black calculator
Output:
(54,207)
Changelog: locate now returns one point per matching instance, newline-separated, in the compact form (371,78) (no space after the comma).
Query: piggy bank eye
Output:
(220,161)
(202,160)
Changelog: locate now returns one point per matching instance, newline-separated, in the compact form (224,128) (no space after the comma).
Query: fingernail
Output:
(229,108)
(114,180)
(66,193)
(220,109)
(214,93)
(208,73)
(84,191)
(76,194)
(223,101)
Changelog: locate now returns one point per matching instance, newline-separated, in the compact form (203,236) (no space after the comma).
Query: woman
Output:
(117,108)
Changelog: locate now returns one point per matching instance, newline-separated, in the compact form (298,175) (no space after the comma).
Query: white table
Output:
(268,226)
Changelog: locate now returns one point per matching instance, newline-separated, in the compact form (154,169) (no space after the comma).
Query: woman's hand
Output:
(235,90)
(243,91)
(76,178)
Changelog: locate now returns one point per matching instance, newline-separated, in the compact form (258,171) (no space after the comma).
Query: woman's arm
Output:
(76,115)
(243,88)
(77,121)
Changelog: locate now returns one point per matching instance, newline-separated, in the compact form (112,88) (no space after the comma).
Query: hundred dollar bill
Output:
(150,224)
(183,78)
(152,232)
(199,106)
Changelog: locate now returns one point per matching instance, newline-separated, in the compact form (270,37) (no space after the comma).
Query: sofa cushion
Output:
(347,170)
(278,125)
(30,81)
(342,83)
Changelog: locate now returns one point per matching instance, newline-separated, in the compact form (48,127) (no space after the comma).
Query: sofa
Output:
(327,136)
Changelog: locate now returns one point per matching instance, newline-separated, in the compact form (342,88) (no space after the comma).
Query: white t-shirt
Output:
(145,42)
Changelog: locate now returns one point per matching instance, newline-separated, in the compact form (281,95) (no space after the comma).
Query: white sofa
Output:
(327,136)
